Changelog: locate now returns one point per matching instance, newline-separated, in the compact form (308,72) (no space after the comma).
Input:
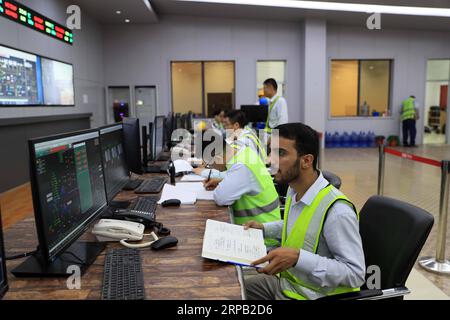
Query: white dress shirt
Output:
(279,113)
(237,181)
(339,260)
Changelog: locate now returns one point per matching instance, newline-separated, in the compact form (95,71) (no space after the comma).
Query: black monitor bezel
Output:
(254,107)
(44,249)
(4,288)
(138,156)
(103,163)
(154,153)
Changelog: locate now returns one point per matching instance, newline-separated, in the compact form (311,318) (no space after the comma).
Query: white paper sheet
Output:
(182,166)
(173,192)
(192,178)
(197,187)
(231,243)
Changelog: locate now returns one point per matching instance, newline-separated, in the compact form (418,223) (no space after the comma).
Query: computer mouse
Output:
(171,203)
(163,243)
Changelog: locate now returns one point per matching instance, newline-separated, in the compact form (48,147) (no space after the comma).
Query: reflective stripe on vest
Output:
(305,235)
(262,207)
(261,152)
(408,110)
(267,128)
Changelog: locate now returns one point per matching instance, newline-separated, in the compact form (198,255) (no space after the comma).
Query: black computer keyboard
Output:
(146,204)
(132,184)
(122,275)
(153,185)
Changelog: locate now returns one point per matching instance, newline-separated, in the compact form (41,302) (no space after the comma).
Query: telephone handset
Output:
(116,230)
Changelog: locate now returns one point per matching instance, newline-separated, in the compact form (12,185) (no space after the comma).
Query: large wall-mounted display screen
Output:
(30,80)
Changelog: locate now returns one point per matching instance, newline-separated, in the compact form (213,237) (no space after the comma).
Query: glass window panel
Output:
(344,88)
(271,69)
(219,86)
(187,87)
(374,87)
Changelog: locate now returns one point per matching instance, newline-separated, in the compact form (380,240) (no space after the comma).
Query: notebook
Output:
(232,244)
(182,166)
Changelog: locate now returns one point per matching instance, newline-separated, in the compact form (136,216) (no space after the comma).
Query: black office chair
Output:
(332,179)
(393,232)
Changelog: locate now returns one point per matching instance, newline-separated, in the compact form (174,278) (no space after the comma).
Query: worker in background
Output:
(409,115)
(235,124)
(277,113)
(246,186)
(321,250)
(219,116)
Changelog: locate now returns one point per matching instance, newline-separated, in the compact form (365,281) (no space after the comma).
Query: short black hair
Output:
(237,116)
(217,112)
(306,138)
(271,82)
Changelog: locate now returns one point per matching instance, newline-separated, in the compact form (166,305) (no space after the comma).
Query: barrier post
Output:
(439,264)
(381,157)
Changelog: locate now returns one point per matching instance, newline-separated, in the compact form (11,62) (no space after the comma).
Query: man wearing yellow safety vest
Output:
(409,115)
(321,250)
(235,124)
(246,186)
(277,113)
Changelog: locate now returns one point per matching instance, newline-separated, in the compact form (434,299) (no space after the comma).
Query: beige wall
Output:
(187,87)
(344,88)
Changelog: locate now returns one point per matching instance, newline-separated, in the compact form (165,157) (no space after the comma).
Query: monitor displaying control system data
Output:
(27,79)
(114,161)
(68,187)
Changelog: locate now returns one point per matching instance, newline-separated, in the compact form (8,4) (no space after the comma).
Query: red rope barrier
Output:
(413,157)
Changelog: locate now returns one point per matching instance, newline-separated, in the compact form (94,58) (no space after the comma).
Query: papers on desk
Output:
(174,192)
(192,178)
(182,166)
(231,243)
(186,192)
(197,187)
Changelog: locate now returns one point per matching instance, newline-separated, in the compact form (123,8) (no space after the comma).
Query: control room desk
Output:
(175,273)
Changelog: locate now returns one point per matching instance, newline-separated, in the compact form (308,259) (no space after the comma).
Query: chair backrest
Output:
(393,232)
(332,179)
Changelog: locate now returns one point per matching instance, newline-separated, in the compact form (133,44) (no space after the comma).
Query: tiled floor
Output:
(406,180)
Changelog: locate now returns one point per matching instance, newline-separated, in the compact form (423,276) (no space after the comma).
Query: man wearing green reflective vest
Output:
(246,186)
(409,115)
(321,250)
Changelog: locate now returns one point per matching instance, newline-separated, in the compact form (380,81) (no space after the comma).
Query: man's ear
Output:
(307,161)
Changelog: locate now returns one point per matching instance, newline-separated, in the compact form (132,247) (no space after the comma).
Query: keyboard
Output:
(146,205)
(132,184)
(122,275)
(153,185)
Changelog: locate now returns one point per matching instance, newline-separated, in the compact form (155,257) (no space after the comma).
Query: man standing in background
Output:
(409,115)
(277,113)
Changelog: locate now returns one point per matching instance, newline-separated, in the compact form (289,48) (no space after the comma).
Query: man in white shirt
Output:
(277,113)
(321,249)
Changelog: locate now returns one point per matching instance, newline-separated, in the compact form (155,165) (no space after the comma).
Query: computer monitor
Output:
(158,137)
(68,188)
(132,143)
(169,127)
(189,121)
(255,113)
(178,121)
(114,162)
(183,121)
(3,277)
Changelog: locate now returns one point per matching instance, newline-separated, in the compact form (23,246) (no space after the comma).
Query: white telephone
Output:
(116,230)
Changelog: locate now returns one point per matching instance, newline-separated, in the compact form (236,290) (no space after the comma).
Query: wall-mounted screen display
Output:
(30,80)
